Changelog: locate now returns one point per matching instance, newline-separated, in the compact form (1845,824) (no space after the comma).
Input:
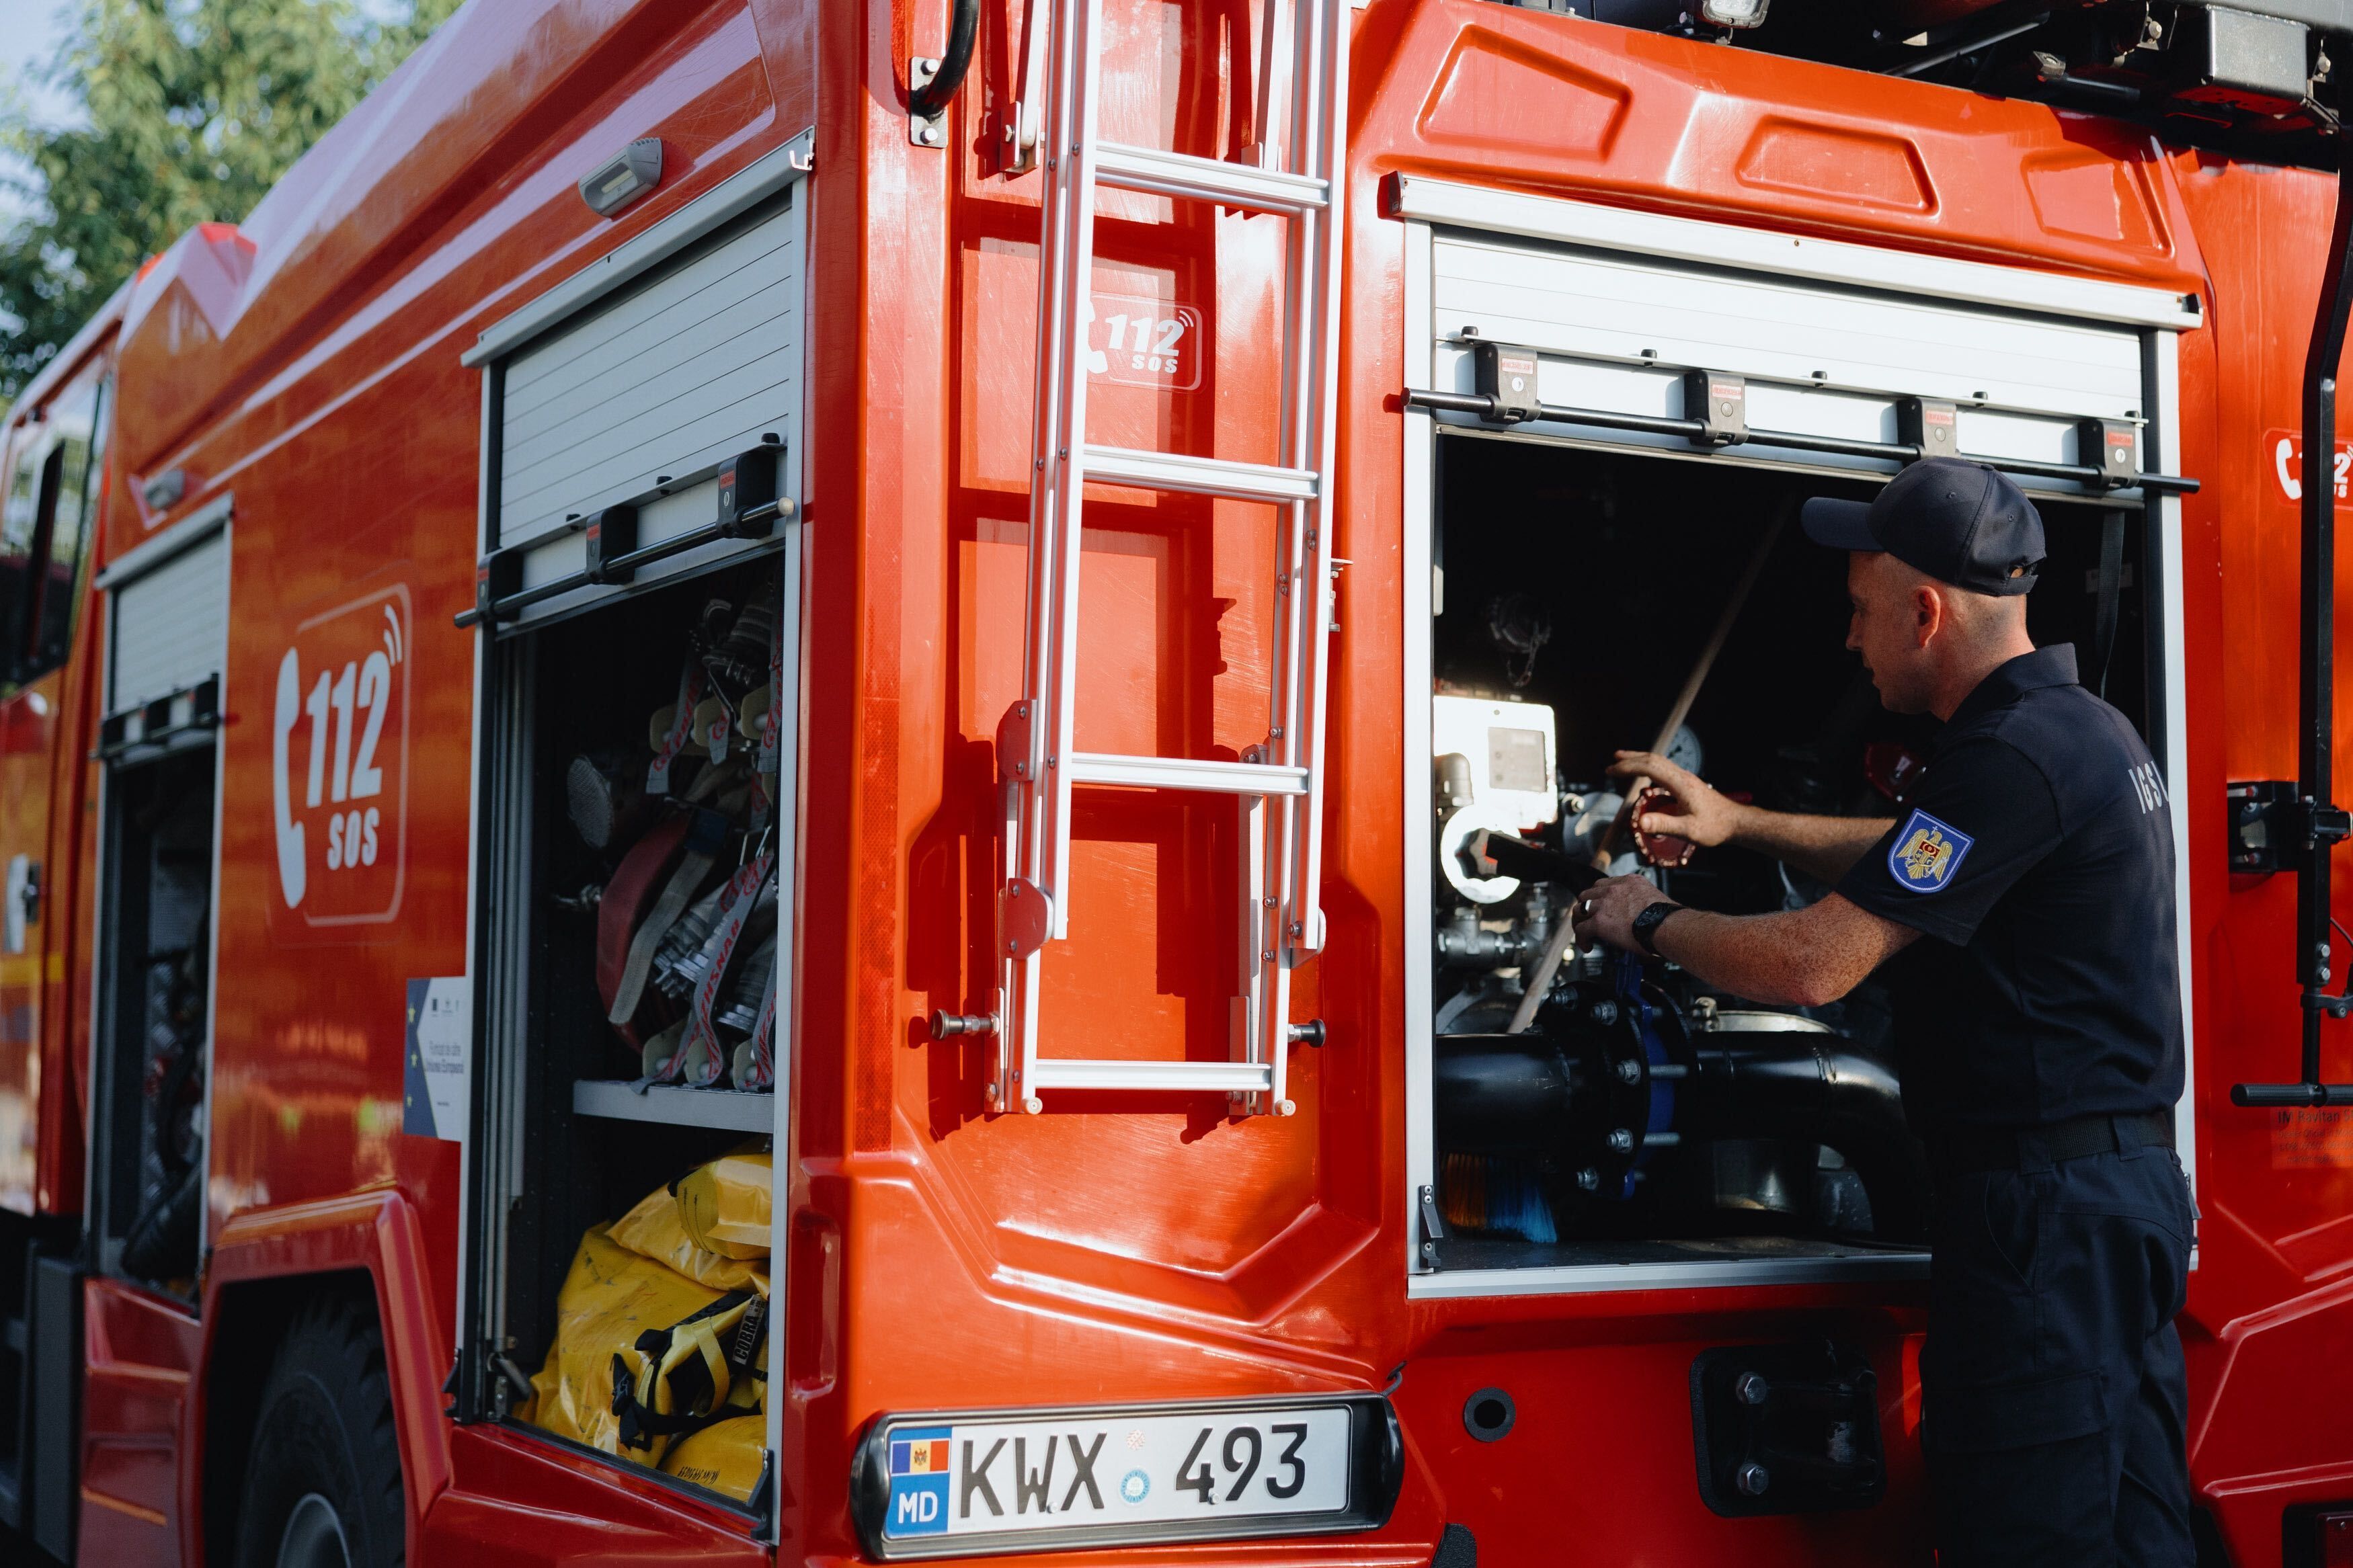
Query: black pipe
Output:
(1817,1089)
(2315,764)
(2318,825)
(1537,1094)
(934,96)
(1506,1094)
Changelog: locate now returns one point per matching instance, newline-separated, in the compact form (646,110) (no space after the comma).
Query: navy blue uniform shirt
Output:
(2035,858)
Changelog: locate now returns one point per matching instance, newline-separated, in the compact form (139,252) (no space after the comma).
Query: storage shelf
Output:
(676,1107)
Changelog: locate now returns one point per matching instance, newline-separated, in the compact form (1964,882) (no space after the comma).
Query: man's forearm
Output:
(1823,848)
(1800,958)
(1753,956)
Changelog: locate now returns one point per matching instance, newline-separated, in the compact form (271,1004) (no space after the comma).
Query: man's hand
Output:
(1606,911)
(1695,811)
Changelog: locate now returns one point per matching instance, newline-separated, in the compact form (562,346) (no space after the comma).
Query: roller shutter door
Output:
(694,365)
(1616,326)
(171,626)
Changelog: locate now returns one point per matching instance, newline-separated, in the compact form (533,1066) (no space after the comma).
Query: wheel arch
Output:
(263,1266)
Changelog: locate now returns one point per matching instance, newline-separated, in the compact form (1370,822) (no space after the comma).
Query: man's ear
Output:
(1928,613)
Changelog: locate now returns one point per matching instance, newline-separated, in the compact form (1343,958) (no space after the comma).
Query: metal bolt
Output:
(1752,1389)
(1622,1141)
(1630,1071)
(929,136)
(1605,1013)
(1589,1180)
(927,67)
(1753,1478)
(1430,1253)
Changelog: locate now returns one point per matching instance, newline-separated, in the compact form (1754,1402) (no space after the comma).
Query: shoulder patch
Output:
(1927,853)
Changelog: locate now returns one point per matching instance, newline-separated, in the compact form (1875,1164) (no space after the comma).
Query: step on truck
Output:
(758,776)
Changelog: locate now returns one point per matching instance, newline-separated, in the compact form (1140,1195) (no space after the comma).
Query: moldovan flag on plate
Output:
(923,1456)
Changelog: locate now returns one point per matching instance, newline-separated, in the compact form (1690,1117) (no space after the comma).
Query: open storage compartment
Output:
(640,605)
(1609,415)
(159,862)
(655,905)
(1579,587)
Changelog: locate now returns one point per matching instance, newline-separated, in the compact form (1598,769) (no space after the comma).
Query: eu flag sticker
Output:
(1927,852)
(919,1482)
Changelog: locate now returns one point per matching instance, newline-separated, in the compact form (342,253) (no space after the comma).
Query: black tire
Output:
(322,1487)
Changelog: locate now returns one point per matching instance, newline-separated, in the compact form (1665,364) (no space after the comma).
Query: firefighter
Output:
(2026,900)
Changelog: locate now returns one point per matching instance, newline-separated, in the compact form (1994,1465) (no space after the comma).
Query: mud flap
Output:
(53,1404)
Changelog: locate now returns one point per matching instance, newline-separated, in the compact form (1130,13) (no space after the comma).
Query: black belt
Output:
(1966,1150)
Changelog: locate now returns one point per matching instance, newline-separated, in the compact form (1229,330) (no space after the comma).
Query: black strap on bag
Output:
(694,1401)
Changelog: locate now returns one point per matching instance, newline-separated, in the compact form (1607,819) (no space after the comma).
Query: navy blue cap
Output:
(1960,523)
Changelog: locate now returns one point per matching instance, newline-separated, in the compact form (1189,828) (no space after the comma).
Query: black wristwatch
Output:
(1647,923)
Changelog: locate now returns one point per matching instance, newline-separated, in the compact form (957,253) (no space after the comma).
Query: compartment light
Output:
(623,178)
(1735,12)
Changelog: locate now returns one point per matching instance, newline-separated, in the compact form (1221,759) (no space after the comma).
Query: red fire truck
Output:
(1010,610)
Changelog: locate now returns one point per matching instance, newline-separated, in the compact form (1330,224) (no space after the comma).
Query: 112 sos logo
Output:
(339,762)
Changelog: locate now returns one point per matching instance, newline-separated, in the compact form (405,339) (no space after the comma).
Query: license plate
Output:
(1015,1481)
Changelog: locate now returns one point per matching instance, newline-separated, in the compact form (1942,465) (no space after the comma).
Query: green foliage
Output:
(192,109)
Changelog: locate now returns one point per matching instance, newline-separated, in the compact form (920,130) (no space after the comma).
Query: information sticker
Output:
(440,1058)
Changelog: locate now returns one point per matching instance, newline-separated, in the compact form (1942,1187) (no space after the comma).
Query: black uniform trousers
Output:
(2053,1393)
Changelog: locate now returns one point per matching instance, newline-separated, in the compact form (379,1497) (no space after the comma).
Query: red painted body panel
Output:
(44,1021)
(140,1359)
(307,364)
(516,1500)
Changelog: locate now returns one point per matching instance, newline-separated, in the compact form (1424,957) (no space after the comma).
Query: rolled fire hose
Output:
(706,835)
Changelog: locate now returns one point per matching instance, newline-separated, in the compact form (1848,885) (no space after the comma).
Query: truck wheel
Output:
(323,1478)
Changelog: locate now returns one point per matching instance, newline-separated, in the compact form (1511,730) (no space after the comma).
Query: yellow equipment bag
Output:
(725,1455)
(611,1297)
(710,1365)
(725,1205)
(656,1229)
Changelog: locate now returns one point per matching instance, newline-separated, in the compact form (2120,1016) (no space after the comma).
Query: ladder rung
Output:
(1199,476)
(1223,1078)
(1188,178)
(1183,773)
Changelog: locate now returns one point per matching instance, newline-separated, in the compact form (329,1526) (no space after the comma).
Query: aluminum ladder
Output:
(1278,784)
